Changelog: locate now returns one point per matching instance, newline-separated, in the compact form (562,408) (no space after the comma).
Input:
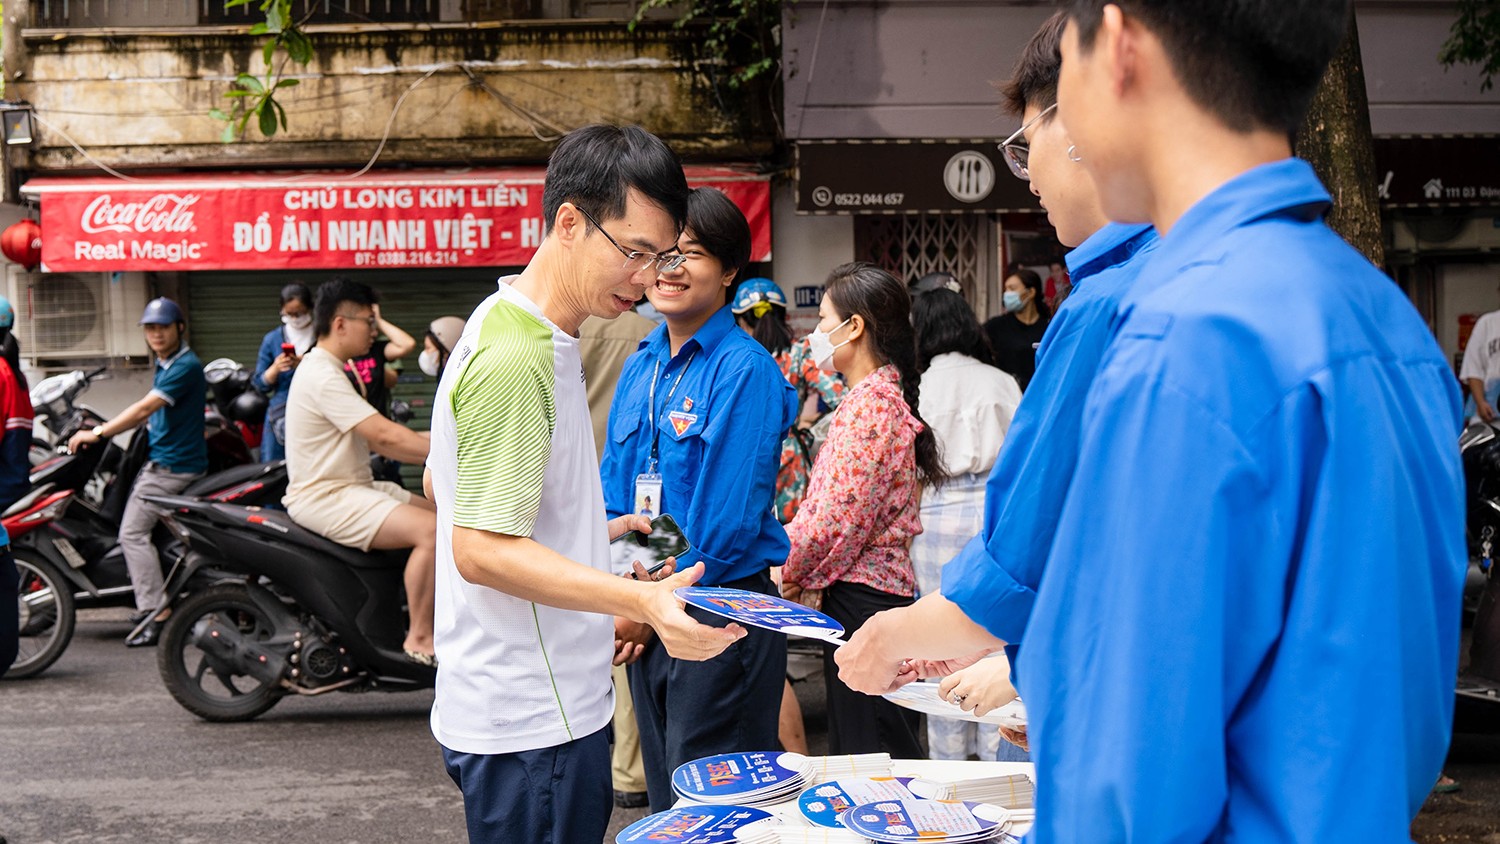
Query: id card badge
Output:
(648,495)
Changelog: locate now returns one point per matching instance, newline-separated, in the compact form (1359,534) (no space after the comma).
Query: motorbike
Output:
(45,596)
(77,554)
(300,615)
(1480,682)
(58,413)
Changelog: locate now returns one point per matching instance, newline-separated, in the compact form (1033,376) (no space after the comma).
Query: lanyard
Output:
(655,417)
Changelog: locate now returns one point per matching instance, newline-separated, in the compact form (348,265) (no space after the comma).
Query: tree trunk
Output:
(1336,140)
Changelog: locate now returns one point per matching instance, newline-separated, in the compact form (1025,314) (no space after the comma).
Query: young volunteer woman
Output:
(696,426)
(850,539)
(275,366)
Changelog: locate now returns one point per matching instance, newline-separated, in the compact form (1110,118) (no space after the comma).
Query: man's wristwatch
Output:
(98,431)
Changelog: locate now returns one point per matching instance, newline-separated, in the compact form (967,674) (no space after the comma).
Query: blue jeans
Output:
(553,795)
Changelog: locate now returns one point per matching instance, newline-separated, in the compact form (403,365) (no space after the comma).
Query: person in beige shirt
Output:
(330,432)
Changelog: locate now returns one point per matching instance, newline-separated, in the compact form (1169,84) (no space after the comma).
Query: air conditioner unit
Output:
(1447,234)
(67,317)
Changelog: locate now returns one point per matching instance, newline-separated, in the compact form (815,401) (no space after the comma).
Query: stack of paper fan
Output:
(696,825)
(950,822)
(772,833)
(1013,791)
(825,768)
(759,778)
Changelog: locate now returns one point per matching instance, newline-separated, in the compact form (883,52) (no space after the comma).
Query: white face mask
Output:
(429,361)
(823,348)
(302,322)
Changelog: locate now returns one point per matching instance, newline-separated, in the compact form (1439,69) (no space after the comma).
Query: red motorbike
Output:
(46,597)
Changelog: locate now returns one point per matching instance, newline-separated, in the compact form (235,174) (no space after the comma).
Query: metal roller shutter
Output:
(230,312)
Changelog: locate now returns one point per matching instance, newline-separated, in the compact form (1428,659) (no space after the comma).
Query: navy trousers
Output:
(687,710)
(555,795)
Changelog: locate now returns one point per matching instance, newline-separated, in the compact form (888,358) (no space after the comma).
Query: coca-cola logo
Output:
(165,212)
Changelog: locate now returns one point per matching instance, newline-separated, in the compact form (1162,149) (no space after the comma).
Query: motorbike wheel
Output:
(47,616)
(187,671)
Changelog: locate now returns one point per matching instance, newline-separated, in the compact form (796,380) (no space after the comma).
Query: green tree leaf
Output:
(267,115)
(250,83)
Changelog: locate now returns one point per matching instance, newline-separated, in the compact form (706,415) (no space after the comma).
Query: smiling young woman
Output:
(696,425)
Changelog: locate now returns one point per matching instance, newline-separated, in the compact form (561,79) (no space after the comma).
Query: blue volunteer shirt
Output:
(994,579)
(1247,629)
(176,430)
(720,434)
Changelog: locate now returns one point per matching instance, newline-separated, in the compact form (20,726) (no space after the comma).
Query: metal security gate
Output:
(229,313)
(912,245)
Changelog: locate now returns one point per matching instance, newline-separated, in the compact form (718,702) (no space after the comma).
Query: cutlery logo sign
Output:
(969,176)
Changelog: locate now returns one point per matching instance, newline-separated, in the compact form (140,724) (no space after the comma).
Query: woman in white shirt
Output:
(968,403)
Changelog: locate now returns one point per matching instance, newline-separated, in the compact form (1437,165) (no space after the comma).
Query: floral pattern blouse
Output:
(806,377)
(861,509)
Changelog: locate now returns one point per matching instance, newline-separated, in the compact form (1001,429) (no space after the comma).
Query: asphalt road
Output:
(96,751)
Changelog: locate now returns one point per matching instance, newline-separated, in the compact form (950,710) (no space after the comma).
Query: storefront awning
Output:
(300,220)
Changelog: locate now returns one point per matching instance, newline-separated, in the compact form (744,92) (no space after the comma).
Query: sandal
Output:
(429,660)
(1446,785)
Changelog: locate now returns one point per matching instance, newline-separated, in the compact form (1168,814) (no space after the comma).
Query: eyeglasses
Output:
(369,320)
(636,261)
(1017,155)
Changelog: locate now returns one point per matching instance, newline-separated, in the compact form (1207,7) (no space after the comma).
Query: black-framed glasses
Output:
(636,261)
(1018,154)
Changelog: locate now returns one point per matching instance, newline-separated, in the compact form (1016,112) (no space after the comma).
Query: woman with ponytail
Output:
(851,539)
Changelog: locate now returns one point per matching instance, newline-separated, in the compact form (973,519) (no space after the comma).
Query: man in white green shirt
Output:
(524,587)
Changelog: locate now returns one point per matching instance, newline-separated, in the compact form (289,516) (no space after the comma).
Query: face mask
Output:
(297,323)
(428,362)
(823,348)
(1012,300)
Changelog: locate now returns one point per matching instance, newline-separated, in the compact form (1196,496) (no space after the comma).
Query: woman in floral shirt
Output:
(760,308)
(851,538)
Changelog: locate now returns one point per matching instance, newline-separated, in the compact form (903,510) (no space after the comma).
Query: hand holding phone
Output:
(645,554)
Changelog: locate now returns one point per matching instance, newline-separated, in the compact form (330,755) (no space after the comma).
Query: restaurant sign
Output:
(469,218)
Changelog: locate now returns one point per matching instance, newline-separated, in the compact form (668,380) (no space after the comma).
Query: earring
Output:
(1073,155)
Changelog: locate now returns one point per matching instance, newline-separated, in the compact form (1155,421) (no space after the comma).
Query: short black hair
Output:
(1254,64)
(1034,80)
(721,229)
(336,291)
(596,166)
(945,323)
(298,291)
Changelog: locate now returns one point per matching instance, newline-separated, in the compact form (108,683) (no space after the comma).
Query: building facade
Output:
(893,114)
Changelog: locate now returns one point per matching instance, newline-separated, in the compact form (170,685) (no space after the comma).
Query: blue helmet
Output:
(7,314)
(755,291)
(162,311)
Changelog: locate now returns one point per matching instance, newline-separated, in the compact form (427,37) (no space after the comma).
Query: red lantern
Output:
(22,243)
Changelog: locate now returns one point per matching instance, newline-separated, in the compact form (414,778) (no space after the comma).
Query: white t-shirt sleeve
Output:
(338,402)
(1478,361)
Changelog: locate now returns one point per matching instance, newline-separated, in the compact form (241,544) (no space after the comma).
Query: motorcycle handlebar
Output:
(89,376)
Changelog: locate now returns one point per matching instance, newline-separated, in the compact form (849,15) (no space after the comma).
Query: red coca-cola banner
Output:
(223,221)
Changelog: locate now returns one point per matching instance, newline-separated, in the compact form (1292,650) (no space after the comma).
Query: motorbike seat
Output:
(278,522)
(27,500)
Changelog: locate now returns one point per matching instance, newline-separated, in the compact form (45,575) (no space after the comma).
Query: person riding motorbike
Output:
(15,467)
(178,453)
(330,431)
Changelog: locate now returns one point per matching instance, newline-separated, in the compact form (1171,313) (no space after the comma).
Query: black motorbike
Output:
(297,615)
(1480,681)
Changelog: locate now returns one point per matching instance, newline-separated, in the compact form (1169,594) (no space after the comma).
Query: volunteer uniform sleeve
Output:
(736,483)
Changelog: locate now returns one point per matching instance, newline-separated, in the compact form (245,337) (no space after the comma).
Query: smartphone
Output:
(288,349)
(651,549)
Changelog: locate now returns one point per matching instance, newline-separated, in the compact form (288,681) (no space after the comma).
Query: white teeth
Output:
(671,288)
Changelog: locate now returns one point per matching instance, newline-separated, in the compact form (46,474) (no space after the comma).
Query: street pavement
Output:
(96,751)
